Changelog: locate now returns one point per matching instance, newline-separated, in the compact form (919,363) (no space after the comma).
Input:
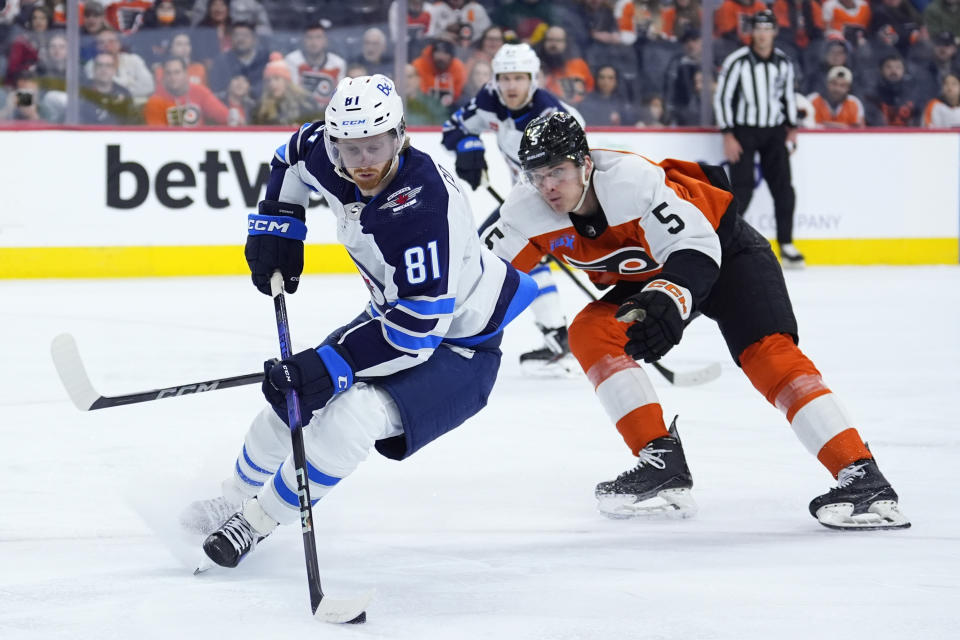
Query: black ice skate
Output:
(790,257)
(551,360)
(229,544)
(863,500)
(658,486)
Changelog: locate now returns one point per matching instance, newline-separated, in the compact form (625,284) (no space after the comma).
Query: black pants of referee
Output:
(770,142)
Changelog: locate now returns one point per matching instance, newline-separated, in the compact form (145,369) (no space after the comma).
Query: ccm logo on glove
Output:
(680,295)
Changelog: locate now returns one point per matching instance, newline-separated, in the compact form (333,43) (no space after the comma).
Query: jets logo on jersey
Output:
(398,200)
(627,261)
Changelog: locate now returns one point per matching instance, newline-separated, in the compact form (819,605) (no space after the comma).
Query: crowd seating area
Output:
(635,63)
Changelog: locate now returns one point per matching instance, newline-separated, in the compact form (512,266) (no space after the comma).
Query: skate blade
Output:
(344,610)
(882,515)
(563,367)
(674,504)
(204,565)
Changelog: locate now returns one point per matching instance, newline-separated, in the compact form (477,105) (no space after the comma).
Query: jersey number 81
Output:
(415,258)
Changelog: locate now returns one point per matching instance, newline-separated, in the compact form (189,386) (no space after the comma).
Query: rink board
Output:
(158,203)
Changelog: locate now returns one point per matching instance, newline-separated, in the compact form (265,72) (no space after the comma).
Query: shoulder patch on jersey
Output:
(405,197)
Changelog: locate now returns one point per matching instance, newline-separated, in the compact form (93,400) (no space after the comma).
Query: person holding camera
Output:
(23,103)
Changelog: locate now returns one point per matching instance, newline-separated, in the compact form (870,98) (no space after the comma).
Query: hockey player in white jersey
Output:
(419,360)
(505,106)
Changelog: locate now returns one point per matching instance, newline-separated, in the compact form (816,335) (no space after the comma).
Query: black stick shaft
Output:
(104,402)
(295,422)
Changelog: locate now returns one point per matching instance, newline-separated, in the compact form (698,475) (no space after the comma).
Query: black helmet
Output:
(552,138)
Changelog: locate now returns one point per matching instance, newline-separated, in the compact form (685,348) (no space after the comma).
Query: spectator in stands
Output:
(178,103)
(681,95)
(944,111)
(250,11)
(93,23)
(132,71)
(245,56)
(731,22)
(605,43)
(840,16)
(315,69)
(800,23)
(566,77)
(373,53)
(441,74)
(52,65)
(238,100)
(477,79)
(356,70)
(943,15)
(102,100)
(23,103)
(158,25)
(26,48)
(651,113)
(420,108)
(8,16)
(836,53)
(895,24)
(528,19)
(212,32)
(418,26)
(164,14)
(486,47)
(606,106)
(453,13)
(680,17)
(942,63)
(895,101)
(283,102)
(837,108)
(181,47)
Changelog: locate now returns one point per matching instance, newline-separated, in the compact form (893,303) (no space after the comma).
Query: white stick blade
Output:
(701,376)
(66,359)
(343,610)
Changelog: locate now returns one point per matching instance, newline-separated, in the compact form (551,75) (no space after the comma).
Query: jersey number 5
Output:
(416,260)
(670,219)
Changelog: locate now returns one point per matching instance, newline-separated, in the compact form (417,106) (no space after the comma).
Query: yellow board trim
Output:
(137,262)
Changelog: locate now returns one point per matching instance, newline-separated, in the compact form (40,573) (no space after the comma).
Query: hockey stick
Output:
(681,379)
(353,610)
(73,375)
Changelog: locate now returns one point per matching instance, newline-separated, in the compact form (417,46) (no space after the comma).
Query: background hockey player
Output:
(506,106)
(419,360)
(668,238)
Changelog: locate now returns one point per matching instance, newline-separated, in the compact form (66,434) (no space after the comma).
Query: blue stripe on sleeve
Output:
(540,268)
(429,307)
(287,494)
(411,343)
(319,477)
(550,289)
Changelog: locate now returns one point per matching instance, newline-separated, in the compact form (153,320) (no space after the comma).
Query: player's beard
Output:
(369,184)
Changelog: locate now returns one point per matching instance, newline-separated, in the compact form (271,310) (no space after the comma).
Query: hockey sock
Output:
(790,382)
(623,388)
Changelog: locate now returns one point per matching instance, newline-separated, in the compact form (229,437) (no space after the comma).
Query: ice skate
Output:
(202,517)
(659,486)
(790,257)
(553,360)
(863,500)
(239,535)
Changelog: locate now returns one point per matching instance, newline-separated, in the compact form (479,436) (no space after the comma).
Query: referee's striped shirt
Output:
(752,92)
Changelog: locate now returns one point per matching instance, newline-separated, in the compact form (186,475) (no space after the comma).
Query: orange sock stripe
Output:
(842,450)
(608,365)
(641,426)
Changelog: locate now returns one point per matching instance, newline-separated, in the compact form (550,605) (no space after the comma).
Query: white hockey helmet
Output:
(363,107)
(516,58)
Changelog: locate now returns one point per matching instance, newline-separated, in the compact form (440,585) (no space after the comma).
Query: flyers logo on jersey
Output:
(626,261)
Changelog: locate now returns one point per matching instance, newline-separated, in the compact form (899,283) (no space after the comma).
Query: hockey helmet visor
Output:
(353,153)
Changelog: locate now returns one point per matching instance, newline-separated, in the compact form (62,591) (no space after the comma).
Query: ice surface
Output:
(490,532)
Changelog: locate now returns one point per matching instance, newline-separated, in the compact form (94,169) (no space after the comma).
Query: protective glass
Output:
(364,152)
(544,178)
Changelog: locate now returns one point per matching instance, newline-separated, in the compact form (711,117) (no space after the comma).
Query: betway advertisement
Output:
(189,188)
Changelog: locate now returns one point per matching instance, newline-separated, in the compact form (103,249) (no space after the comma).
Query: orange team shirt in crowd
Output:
(559,82)
(782,8)
(940,114)
(849,112)
(198,107)
(196,72)
(836,16)
(447,83)
(668,17)
(733,17)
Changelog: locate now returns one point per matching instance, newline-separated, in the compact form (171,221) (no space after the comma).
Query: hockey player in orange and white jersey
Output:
(667,241)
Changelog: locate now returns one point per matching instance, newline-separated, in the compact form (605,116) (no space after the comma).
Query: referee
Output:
(757,112)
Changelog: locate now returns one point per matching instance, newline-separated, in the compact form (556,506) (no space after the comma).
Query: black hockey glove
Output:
(657,315)
(470,162)
(315,374)
(275,241)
